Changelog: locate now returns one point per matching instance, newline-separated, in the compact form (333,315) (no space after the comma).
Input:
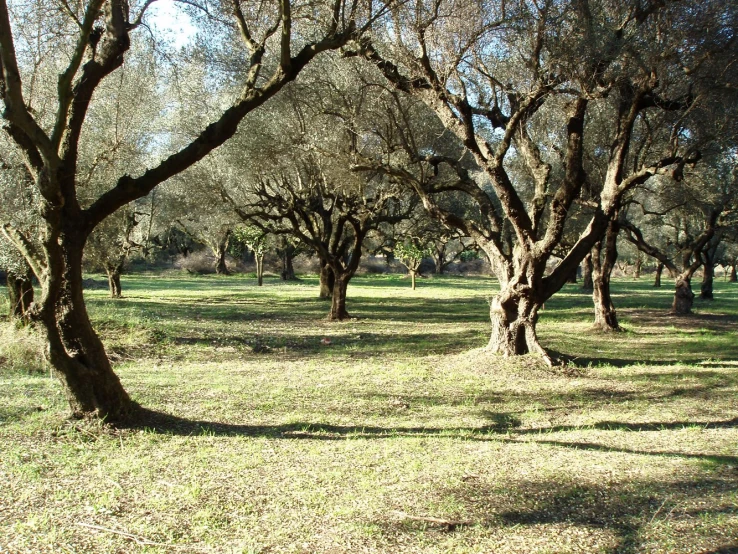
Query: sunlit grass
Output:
(263,439)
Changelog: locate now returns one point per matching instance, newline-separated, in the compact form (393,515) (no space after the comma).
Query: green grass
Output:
(400,436)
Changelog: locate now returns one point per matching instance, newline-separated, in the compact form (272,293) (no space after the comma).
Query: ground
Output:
(401,435)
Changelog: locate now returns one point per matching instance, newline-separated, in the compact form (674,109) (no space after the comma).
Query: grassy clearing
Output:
(398,437)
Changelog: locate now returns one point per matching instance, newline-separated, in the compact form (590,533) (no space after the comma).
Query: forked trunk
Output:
(708,279)
(587,282)
(260,269)
(338,300)
(114,281)
(20,295)
(220,261)
(683,296)
(513,316)
(733,277)
(659,271)
(327,281)
(74,350)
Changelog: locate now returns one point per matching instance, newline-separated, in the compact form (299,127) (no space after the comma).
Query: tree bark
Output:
(587,282)
(637,270)
(338,299)
(733,277)
(513,315)
(259,269)
(602,264)
(683,296)
(708,278)
(20,295)
(114,286)
(412,277)
(659,271)
(327,280)
(75,352)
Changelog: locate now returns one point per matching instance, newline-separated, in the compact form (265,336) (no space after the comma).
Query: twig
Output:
(657,511)
(450,524)
(138,540)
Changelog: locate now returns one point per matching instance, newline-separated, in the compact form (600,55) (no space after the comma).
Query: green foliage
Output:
(253,237)
(410,254)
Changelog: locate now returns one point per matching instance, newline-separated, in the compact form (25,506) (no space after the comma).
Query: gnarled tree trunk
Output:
(327,280)
(603,263)
(338,299)
(513,315)
(114,272)
(75,351)
(683,295)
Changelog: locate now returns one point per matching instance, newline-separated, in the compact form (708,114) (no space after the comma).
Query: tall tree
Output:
(91,40)
(524,81)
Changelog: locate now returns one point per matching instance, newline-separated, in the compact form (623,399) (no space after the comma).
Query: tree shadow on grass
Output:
(633,513)
(499,429)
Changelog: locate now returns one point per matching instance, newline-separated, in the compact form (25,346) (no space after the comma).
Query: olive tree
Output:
(88,44)
(523,82)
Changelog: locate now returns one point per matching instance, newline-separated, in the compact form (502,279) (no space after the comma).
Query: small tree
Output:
(256,239)
(411,255)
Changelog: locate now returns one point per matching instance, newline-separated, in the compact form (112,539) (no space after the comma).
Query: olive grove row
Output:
(530,130)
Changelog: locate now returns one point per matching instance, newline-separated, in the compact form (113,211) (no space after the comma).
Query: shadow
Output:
(632,514)
(167,424)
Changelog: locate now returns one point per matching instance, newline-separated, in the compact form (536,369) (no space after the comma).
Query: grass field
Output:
(402,435)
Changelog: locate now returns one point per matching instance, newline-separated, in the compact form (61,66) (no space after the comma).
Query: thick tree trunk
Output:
(683,296)
(327,281)
(75,351)
(338,300)
(587,282)
(260,269)
(114,281)
(733,276)
(513,315)
(20,295)
(572,279)
(708,278)
(605,315)
(659,271)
